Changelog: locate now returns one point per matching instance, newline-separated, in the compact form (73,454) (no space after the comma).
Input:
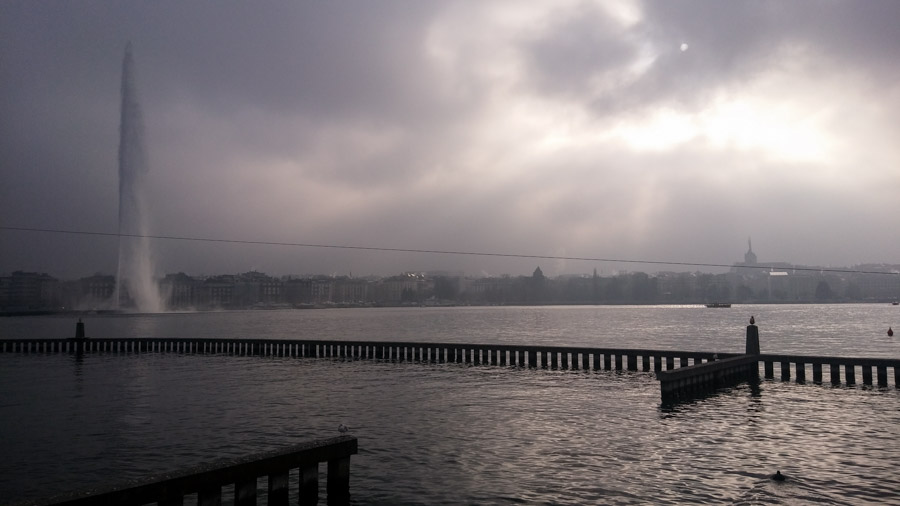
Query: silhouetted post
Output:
(752,338)
(850,373)
(244,492)
(835,373)
(801,372)
(309,484)
(882,376)
(79,337)
(338,481)
(278,488)
(867,374)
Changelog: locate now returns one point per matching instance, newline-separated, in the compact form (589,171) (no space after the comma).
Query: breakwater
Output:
(838,370)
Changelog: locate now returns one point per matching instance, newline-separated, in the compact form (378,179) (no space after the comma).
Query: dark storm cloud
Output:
(583,45)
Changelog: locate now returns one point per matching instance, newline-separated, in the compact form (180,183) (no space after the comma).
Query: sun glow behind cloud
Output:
(763,116)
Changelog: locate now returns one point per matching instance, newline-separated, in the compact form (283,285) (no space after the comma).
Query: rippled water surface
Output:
(456,434)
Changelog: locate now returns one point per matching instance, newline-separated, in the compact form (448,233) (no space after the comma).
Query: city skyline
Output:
(579,266)
(633,130)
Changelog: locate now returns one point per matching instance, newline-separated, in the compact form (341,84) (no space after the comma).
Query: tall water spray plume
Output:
(135,283)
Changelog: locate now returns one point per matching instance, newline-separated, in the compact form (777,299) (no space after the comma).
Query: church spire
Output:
(750,256)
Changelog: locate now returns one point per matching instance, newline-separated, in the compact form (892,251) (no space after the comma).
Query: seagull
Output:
(343,429)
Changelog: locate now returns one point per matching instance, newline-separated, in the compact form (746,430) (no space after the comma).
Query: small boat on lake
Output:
(718,304)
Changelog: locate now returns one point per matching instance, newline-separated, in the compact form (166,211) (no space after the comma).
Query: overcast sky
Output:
(662,130)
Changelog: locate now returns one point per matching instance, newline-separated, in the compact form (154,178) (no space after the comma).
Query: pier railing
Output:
(207,481)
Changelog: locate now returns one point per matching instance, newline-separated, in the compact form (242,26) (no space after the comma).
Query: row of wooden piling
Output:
(549,357)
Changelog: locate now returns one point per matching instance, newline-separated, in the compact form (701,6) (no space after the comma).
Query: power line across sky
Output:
(431,251)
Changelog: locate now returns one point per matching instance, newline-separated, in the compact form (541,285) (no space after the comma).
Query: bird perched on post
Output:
(752,320)
(343,429)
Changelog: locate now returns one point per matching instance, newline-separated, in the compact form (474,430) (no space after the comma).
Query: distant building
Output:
(350,291)
(406,287)
(97,292)
(216,292)
(29,291)
(178,291)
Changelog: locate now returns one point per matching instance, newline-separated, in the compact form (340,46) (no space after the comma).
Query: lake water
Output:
(456,434)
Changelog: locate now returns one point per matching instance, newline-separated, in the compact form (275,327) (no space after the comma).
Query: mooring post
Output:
(752,338)
(79,337)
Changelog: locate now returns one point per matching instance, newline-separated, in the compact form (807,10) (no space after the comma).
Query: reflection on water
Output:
(446,433)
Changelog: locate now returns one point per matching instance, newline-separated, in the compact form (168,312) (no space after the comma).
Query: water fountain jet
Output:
(136,288)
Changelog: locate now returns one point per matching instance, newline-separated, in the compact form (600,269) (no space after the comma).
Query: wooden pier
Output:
(207,481)
(682,374)
(547,357)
